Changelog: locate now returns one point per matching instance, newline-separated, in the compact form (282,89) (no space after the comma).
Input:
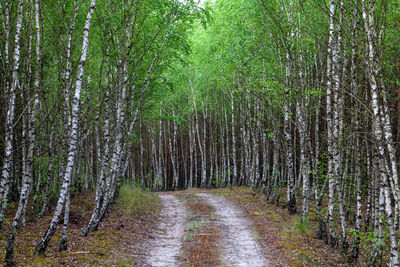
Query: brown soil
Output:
(116,242)
(201,237)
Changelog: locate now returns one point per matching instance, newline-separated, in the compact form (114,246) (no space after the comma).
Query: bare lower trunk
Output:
(291,195)
(191,143)
(234,161)
(382,125)
(9,134)
(42,245)
(48,182)
(64,238)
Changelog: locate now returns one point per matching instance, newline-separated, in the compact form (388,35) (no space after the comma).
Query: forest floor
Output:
(196,227)
(117,242)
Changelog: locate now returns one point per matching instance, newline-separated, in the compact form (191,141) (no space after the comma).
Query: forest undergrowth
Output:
(116,242)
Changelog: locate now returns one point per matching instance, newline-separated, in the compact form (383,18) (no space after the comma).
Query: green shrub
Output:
(136,200)
(300,225)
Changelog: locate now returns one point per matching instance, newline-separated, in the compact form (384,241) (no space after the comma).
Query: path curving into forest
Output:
(238,244)
(166,247)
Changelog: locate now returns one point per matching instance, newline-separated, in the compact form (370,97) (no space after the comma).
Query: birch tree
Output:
(42,245)
(9,134)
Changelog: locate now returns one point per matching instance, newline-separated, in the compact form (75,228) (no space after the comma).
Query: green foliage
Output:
(192,228)
(126,262)
(217,180)
(136,200)
(370,238)
(300,225)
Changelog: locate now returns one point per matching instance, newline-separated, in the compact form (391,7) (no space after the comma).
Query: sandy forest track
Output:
(166,247)
(237,244)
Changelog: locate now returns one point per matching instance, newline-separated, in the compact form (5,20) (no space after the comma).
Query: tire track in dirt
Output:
(165,249)
(239,247)
(202,234)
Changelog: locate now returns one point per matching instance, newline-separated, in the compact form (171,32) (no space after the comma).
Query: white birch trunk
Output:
(176,175)
(42,245)
(64,238)
(191,143)
(265,153)
(156,167)
(228,158)
(173,159)
(104,158)
(223,155)
(339,82)
(204,150)
(160,155)
(256,146)
(357,173)
(27,178)
(275,167)
(332,123)
(382,127)
(304,163)
(375,259)
(234,161)
(9,132)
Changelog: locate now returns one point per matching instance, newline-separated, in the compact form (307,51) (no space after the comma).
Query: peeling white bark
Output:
(42,245)
(9,132)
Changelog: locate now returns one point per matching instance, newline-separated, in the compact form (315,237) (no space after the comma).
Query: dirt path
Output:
(220,232)
(239,246)
(166,247)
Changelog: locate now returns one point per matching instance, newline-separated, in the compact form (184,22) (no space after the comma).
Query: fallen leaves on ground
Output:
(201,237)
(117,241)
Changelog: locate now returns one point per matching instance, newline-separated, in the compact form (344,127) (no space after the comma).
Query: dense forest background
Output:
(298,99)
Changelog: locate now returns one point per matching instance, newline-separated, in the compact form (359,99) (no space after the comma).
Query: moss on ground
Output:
(125,227)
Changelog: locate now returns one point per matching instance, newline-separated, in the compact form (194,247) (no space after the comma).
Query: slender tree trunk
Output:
(49,179)
(234,161)
(27,178)
(275,168)
(304,161)
(291,194)
(228,158)
(191,144)
(173,159)
(382,127)
(42,245)
(64,238)
(104,158)
(204,150)
(160,155)
(9,134)
(333,153)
